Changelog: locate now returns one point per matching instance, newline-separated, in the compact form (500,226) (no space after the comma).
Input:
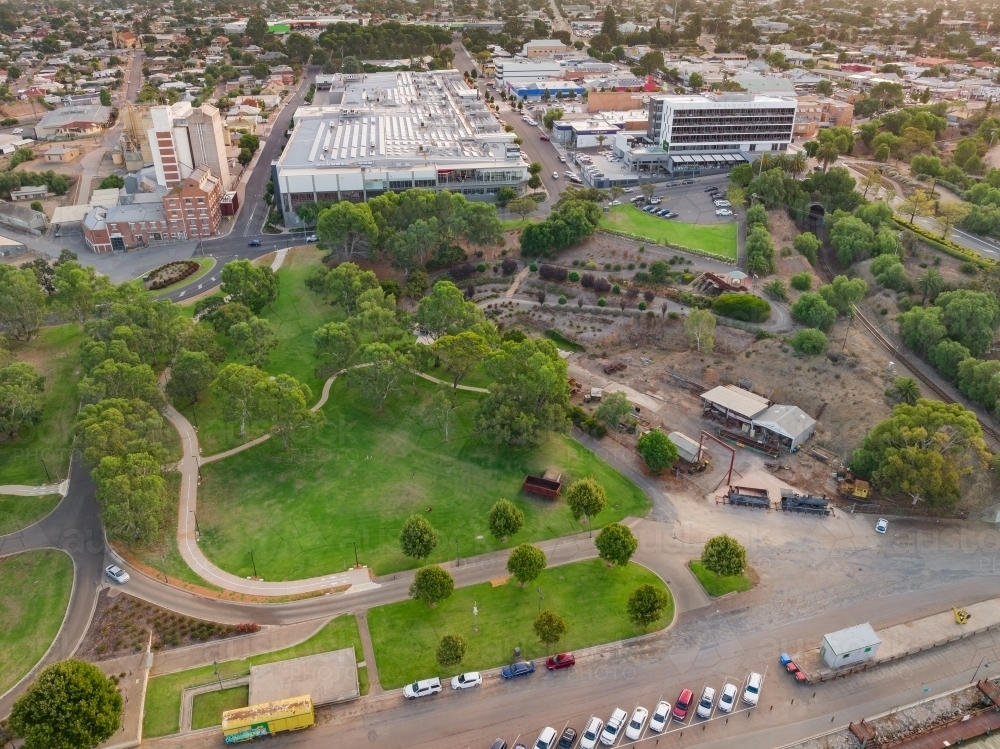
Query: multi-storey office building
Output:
(688,134)
(395,131)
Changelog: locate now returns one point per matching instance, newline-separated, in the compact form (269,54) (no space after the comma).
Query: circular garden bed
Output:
(171,273)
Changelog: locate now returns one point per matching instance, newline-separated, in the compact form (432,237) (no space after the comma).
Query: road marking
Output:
(200,285)
(181,294)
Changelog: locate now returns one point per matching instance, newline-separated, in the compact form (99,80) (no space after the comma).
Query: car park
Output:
(727,698)
(610,733)
(751,692)
(568,738)
(706,703)
(422,688)
(660,717)
(636,724)
(563,660)
(467,681)
(591,733)
(521,668)
(546,738)
(253,243)
(117,574)
(682,705)
(882,526)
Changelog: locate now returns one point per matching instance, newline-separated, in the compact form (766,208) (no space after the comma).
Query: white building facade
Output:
(183,138)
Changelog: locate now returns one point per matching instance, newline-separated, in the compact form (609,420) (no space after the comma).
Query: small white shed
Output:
(849,646)
(687,448)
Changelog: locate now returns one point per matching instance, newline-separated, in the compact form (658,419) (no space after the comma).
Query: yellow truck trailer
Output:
(247,723)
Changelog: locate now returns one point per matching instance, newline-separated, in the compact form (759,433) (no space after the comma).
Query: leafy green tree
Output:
(843,293)
(71,705)
(529,394)
(111,182)
(756,215)
(22,398)
(523,206)
(742,307)
(382,371)
(504,519)
(254,286)
(22,303)
(77,288)
(616,544)
(431,585)
(657,451)
(699,327)
(201,337)
(809,341)
(228,315)
(336,344)
(812,310)
(980,380)
(445,311)
(417,539)
(111,379)
(526,563)
(132,495)
(118,427)
(801,281)
(414,246)
(922,327)
(283,401)
(460,353)
(922,450)
(970,317)
(235,388)
(852,239)
(441,411)
(191,373)
(586,498)
(929,284)
(254,339)
(549,627)
(614,407)
(946,356)
(350,227)
(646,605)
(244,157)
(724,556)
(257,28)
(450,650)
(777,290)
(346,283)
(808,246)
(250,142)
(906,389)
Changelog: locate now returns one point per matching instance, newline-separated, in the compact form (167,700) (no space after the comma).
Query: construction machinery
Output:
(853,487)
(961,615)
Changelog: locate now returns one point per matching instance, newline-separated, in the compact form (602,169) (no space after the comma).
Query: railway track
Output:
(903,358)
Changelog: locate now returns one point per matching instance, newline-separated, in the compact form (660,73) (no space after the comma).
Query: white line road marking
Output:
(181,294)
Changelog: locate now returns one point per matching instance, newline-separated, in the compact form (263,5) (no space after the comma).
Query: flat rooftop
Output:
(388,119)
(327,677)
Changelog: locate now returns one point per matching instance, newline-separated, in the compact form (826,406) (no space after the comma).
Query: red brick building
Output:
(193,208)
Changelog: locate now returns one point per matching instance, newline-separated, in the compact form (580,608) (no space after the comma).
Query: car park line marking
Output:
(515,740)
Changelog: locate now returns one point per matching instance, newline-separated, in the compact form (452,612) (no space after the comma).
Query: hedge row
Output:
(946,245)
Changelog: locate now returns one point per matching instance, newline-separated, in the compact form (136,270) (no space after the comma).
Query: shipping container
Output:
(269,718)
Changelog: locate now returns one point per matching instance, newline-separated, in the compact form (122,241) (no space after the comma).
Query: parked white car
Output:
(615,202)
(422,688)
(629,189)
(751,692)
(727,699)
(117,574)
(546,739)
(312,238)
(883,525)
(723,212)
(17,131)
(591,733)
(661,715)
(722,203)
(706,703)
(610,733)
(467,681)
(634,729)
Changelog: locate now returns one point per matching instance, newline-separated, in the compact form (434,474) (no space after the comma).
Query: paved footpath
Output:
(19,490)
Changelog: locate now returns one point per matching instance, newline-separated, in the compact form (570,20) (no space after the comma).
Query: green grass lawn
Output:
(477,378)
(163,694)
(718,239)
(302,511)
(20,512)
(562,342)
(207,708)
(55,354)
(716,585)
(589,596)
(34,594)
(206,263)
(518,223)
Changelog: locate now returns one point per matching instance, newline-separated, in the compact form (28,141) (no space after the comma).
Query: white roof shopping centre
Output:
(394,131)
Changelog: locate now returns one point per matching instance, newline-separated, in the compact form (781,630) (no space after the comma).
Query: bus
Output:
(247,723)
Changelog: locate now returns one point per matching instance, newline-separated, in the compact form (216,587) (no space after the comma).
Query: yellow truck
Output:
(247,723)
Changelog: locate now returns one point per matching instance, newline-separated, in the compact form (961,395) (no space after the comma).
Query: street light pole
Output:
(458,559)
(356,562)
(253,563)
(541,597)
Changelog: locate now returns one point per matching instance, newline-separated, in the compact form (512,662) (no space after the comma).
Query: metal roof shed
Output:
(737,402)
(791,424)
(849,646)
(687,448)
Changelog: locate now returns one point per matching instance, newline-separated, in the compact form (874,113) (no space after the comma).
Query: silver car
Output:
(117,574)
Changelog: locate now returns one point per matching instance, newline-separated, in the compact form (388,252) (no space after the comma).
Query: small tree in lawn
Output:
(657,450)
(724,556)
(418,538)
(526,562)
(616,544)
(586,497)
(646,605)
(549,627)
(451,650)
(505,519)
(431,585)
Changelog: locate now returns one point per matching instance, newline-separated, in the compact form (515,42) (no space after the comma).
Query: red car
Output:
(791,668)
(543,137)
(680,710)
(563,660)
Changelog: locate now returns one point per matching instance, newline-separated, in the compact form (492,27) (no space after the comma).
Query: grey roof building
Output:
(73,120)
(21,218)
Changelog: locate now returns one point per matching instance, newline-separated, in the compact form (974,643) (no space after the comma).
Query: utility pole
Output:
(356,562)
(253,563)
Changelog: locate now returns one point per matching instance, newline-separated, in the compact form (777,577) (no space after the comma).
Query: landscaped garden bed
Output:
(590,597)
(171,273)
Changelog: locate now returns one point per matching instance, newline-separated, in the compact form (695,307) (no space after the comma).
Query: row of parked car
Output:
(426,687)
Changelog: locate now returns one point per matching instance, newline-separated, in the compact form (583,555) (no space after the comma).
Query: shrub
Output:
(812,310)
(809,341)
(642,306)
(574,276)
(562,299)
(801,281)
(602,302)
(745,307)
(481,268)
(724,556)
(508,265)
(602,285)
(587,280)
(552,272)
(616,289)
(533,267)
(463,271)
